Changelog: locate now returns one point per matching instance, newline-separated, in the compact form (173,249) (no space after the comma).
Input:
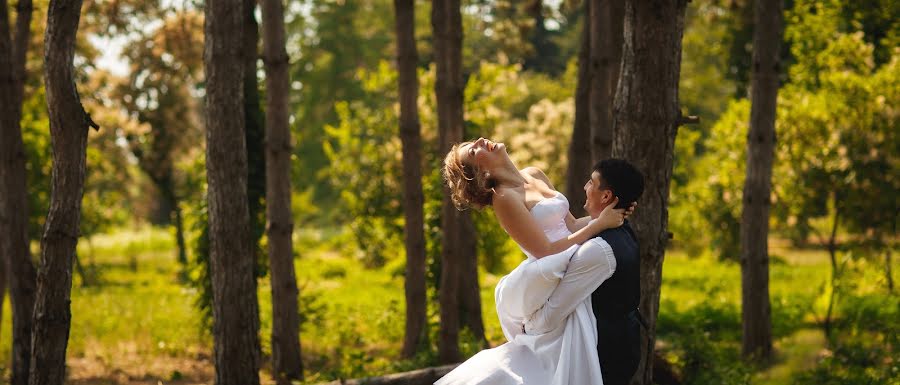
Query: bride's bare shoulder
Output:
(507,195)
(537,173)
(534,172)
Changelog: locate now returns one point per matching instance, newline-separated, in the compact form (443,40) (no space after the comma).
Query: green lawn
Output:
(137,324)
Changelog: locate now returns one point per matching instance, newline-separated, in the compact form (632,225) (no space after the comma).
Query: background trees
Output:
(68,129)
(137,69)
(231,250)
(280,228)
(757,336)
(17,272)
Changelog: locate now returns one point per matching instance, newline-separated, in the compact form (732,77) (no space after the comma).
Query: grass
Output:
(135,323)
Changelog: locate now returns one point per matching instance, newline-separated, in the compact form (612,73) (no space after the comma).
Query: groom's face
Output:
(598,195)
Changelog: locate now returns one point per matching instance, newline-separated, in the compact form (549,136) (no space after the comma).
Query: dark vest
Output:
(615,305)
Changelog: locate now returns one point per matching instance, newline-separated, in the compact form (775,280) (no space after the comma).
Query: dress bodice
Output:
(550,214)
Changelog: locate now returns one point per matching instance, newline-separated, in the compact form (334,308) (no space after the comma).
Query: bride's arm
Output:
(575,224)
(515,218)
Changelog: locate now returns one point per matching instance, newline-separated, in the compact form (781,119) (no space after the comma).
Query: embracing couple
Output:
(569,311)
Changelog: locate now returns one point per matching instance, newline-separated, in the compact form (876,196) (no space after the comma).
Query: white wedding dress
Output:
(560,347)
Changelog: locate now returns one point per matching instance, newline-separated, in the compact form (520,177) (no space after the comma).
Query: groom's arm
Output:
(592,264)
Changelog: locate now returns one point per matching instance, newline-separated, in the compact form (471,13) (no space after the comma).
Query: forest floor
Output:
(133,322)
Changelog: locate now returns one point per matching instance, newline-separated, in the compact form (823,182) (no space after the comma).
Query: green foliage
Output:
(836,135)
(710,201)
(364,150)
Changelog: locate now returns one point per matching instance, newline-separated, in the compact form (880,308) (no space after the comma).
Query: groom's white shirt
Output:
(592,264)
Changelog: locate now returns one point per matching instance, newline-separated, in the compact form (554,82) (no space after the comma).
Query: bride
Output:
(537,217)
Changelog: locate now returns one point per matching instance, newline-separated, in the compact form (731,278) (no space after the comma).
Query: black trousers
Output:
(619,348)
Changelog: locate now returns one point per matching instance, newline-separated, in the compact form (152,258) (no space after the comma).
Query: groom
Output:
(615,302)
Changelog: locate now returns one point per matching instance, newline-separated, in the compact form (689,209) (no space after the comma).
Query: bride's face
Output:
(482,153)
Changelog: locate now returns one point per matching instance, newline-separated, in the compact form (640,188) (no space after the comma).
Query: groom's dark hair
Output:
(622,178)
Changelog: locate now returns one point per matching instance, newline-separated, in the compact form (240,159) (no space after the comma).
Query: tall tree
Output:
(18,270)
(606,59)
(68,132)
(458,245)
(232,262)
(646,120)
(255,135)
(413,197)
(286,363)
(756,309)
(578,170)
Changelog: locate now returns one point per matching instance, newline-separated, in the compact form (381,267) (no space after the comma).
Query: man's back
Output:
(615,305)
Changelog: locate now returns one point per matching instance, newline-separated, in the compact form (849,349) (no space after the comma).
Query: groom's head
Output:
(612,178)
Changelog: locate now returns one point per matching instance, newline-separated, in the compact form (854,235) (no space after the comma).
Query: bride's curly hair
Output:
(468,186)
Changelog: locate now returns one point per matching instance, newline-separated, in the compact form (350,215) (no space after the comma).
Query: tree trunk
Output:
(832,254)
(232,263)
(887,270)
(255,135)
(579,168)
(416,335)
(18,271)
(179,238)
(756,308)
(646,120)
(469,290)
(68,135)
(456,254)
(166,186)
(606,59)
(286,362)
(24,10)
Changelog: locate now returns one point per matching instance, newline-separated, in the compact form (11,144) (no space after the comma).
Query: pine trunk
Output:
(756,309)
(286,362)
(255,135)
(579,168)
(68,136)
(646,119)
(456,254)
(413,198)
(606,59)
(232,263)
(18,271)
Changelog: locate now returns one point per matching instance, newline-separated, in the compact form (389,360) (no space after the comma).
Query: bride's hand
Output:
(609,218)
(630,209)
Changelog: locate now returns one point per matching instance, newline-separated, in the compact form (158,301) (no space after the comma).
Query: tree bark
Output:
(24,10)
(255,136)
(606,59)
(416,335)
(232,262)
(579,168)
(68,136)
(456,246)
(756,308)
(286,362)
(18,272)
(9,133)
(646,120)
